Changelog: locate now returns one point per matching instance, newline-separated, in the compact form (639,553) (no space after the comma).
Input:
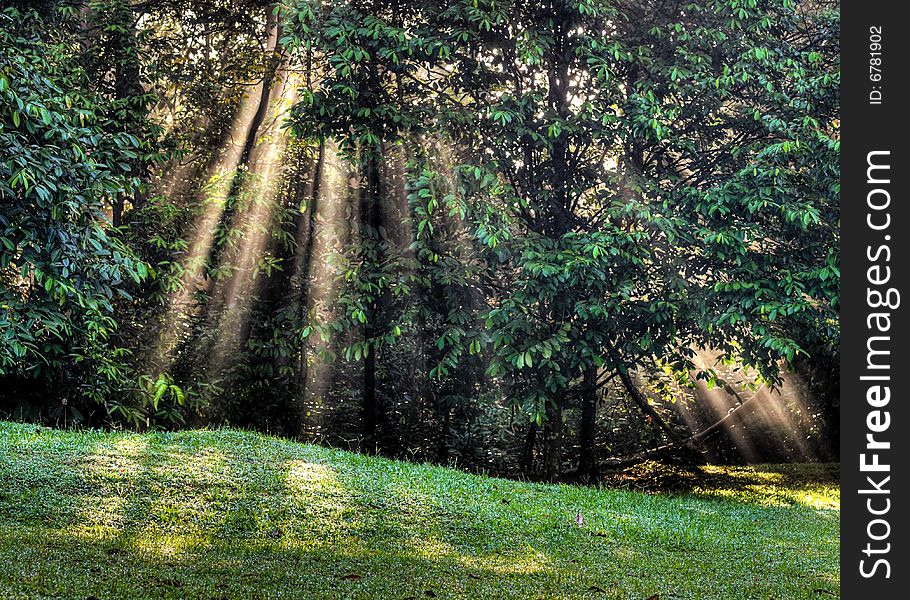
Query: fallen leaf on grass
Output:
(352,577)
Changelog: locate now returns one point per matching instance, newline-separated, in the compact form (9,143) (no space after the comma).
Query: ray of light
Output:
(718,404)
(780,415)
(212,197)
(331,208)
(799,398)
(235,295)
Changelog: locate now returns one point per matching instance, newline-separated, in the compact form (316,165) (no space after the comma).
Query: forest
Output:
(542,240)
(407,299)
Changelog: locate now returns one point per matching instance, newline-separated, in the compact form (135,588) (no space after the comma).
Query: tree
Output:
(62,266)
(642,170)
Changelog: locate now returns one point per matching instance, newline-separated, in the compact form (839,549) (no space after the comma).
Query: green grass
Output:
(230,514)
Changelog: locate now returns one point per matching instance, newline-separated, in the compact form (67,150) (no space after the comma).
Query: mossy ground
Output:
(230,514)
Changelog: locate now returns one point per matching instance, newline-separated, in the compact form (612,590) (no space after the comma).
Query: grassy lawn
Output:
(230,514)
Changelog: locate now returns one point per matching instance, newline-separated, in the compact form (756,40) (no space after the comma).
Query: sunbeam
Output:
(212,198)
(232,298)
(776,419)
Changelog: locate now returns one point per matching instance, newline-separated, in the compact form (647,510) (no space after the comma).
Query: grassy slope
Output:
(228,514)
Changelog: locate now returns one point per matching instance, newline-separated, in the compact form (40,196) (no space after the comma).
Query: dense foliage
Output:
(65,159)
(451,229)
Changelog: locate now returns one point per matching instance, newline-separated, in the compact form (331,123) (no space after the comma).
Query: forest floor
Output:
(230,514)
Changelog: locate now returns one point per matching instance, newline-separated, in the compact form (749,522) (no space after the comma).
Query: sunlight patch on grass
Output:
(526,561)
(101,510)
(800,485)
(131,447)
(163,545)
(305,476)
(430,548)
(118,460)
(199,466)
(91,532)
(747,474)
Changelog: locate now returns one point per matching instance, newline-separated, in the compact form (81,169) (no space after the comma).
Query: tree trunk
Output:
(527,452)
(249,142)
(303,260)
(642,402)
(554,441)
(371,218)
(113,27)
(558,219)
(442,448)
(587,466)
